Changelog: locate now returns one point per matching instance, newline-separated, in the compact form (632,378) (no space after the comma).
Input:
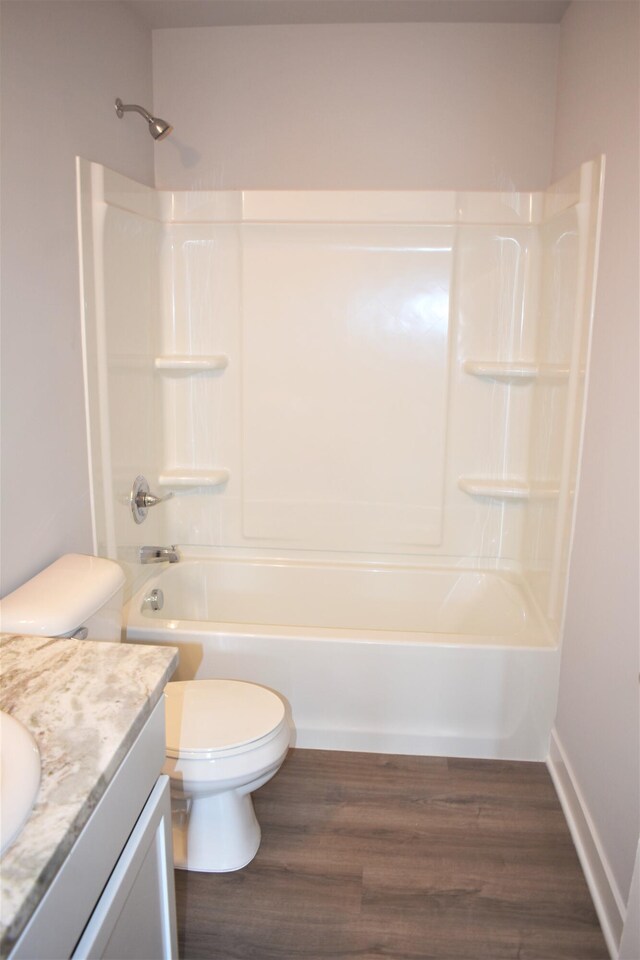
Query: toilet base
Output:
(215,834)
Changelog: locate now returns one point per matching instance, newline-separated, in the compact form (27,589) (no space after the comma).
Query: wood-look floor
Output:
(368,856)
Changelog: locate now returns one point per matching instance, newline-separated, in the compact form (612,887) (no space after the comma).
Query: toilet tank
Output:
(76,595)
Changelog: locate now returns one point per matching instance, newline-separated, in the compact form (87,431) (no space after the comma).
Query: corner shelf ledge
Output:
(193,478)
(508,488)
(515,371)
(178,363)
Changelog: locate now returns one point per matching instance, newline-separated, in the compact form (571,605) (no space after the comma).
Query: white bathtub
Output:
(396,659)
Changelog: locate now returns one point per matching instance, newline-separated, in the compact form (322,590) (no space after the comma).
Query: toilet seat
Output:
(210,719)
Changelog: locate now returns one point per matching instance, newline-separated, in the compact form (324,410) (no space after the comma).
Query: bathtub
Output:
(372,657)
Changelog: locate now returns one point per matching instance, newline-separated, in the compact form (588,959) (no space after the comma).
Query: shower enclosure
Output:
(368,407)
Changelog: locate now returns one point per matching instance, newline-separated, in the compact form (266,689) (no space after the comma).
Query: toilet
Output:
(224,738)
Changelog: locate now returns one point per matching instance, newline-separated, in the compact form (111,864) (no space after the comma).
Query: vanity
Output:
(91,872)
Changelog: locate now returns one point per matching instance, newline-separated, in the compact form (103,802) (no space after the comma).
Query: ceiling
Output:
(160,14)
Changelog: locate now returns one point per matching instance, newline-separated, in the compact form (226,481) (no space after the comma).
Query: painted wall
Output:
(597,720)
(63,64)
(396,106)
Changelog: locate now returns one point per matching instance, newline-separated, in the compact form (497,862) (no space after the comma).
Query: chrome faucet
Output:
(159,554)
(140,499)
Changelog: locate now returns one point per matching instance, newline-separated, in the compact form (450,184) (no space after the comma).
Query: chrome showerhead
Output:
(159,129)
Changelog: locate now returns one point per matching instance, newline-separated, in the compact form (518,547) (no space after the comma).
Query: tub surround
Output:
(397,376)
(85,703)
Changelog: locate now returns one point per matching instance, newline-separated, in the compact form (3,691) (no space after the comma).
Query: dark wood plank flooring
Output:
(368,856)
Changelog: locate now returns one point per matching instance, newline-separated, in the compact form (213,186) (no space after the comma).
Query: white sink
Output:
(19,778)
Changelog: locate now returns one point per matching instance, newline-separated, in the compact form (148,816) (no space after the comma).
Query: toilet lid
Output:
(207,715)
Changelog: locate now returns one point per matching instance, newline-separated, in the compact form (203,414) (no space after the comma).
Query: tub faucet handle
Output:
(141,499)
(151,499)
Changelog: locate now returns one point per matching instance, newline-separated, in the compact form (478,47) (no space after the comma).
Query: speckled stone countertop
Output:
(85,703)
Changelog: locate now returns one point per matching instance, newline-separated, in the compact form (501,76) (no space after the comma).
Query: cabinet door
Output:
(135,917)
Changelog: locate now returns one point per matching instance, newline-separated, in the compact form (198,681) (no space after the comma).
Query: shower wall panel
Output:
(345,332)
(121,236)
(569,239)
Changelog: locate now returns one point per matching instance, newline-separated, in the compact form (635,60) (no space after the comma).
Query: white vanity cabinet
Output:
(113,897)
(135,915)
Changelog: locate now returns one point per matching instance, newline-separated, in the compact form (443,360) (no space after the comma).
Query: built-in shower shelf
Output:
(193,478)
(508,488)
(177,363)
(515,371)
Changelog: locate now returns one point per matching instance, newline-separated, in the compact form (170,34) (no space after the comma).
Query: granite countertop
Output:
(84,702)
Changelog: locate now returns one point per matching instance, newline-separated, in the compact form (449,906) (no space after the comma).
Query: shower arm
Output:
(121,108)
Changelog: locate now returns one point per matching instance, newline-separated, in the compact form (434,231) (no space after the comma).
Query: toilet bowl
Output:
(225,738)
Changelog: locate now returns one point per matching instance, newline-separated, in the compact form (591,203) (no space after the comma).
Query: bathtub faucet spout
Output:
(159,554)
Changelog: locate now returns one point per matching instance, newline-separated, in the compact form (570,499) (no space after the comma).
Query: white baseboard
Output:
(606,896)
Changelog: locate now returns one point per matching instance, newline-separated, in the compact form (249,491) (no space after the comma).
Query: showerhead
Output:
(159,129)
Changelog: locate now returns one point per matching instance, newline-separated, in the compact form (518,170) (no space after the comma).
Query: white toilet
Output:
(225,738)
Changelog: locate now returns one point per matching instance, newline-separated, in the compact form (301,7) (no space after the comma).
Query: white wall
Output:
(396,106)
(63,64)
(597,720)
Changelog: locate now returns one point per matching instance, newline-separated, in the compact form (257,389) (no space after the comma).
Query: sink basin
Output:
(19,778)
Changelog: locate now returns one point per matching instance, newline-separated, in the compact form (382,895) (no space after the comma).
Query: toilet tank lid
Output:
(62,597)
